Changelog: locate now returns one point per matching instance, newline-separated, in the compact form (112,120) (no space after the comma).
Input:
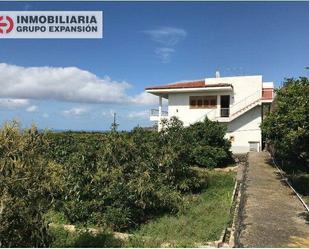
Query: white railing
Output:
(244,103)
(155,113)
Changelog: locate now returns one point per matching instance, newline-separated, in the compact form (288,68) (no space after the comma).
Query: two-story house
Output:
(239,102)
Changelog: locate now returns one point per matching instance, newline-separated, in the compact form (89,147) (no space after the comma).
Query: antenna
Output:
(114,125)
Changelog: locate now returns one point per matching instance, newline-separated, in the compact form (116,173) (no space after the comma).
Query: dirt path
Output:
(270,214)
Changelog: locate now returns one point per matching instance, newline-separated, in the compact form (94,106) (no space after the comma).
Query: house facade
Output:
(239,102)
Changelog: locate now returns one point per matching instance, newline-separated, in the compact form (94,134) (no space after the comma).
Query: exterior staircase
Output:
(236,109)
(244,109)
(245,105)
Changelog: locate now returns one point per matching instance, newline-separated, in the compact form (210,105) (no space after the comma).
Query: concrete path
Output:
(270,214)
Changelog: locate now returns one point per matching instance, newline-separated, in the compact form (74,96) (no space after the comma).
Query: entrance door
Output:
(254,146)
(225,105)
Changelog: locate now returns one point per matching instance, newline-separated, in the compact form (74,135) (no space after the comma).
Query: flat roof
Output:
(188,84)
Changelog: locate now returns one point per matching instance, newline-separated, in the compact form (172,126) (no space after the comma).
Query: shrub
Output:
(207,145)
(24,187)
(118,185)
(174,158)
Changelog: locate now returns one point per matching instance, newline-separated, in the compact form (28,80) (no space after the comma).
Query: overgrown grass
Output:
(203,219)
(64,238)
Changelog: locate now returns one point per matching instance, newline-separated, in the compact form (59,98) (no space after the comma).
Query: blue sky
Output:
(146,43)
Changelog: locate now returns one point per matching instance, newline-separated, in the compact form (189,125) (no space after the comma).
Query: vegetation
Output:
(202,220)
(114,180)
(86,239)
(24,188)
(286,128)
(208,147)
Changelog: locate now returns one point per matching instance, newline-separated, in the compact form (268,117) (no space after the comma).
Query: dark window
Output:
(192,102)
(203,102)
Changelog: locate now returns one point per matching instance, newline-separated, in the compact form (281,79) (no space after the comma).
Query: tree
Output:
(286,128)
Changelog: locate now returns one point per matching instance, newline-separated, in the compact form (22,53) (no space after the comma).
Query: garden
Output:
(115,189)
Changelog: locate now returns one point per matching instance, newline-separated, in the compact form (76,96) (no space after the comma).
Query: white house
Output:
(237,101)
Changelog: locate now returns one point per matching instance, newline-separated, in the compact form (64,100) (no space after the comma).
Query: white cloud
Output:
(57,83)
(32,108)
(75,111)
(164,54)
(13,103)
(168,36)
(138,115)
(21,84)
(145,98)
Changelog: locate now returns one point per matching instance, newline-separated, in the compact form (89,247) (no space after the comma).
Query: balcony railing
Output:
(155,112)
(225,112)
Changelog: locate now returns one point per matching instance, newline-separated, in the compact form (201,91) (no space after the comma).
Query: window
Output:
(209,102)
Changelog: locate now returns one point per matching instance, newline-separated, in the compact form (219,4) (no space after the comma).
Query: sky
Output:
(76,84)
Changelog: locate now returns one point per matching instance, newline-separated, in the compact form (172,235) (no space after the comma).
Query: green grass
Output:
(203,219)
(63,238)
(53,216)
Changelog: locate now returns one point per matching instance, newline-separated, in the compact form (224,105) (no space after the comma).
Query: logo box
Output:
(51,24)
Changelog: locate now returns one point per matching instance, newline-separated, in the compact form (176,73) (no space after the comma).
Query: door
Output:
(254,146)
(225,105)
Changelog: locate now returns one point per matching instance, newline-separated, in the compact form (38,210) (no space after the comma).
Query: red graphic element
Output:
(6,26)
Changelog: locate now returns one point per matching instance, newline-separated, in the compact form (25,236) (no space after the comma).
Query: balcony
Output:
(154,114)
(267,94)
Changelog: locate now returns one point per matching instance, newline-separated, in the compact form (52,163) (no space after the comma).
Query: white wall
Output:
(243,85)
(179,106)
(245,128)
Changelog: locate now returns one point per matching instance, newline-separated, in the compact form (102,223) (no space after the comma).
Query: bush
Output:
(286,128)
(24,187)
(207,145)
(119,185)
